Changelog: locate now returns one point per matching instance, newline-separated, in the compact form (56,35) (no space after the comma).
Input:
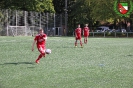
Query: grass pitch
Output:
(102,63)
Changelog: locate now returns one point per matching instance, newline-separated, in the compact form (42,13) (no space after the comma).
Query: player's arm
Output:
(33,45)
(83,31)
(88,29)
(75,34)
(45,37)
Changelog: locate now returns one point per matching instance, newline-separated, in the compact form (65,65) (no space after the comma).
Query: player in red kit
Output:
(86,33)
(78,36)
(40,41)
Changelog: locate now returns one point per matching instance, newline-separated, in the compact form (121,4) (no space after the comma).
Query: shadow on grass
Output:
(30,67)
(64,47)
(130,55)
(18,63)
(69,47)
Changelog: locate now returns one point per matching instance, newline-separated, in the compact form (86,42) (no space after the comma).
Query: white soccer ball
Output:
(48,51)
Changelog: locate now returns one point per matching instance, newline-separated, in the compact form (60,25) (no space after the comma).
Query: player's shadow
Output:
(18,63)
(130,55)
(63,47)
(68,47)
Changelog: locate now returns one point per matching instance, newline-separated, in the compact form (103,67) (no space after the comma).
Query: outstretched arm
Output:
(45,38)
(33,45)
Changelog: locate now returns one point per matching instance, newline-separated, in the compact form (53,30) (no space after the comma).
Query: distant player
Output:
(78,36)
(86,33)
(40,41)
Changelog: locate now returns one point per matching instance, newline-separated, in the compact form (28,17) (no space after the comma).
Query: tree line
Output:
(79,11)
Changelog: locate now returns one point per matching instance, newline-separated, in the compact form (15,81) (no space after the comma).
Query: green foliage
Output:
(94,10)
(91,11)
(102,10)
(59,6)
(79,11)
(28,5)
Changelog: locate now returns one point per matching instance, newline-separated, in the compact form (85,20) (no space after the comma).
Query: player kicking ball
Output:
(40,41)
(78,36)
(86,33)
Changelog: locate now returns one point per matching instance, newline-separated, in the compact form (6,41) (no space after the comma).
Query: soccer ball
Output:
(48,51)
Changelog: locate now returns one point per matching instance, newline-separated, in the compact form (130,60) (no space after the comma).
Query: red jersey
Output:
(86,30)
(40,39)
(78,32)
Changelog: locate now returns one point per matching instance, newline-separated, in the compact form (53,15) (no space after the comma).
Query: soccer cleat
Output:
(37,61)
(75,46)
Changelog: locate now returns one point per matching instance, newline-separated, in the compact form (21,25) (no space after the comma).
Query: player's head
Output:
(41,31)
(78,25)
(86,25)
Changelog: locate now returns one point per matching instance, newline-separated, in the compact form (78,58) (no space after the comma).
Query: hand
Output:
(76,37)
(45,38)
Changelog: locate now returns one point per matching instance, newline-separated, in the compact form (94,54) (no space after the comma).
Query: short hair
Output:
(78,24)
(87,24)
(41,29)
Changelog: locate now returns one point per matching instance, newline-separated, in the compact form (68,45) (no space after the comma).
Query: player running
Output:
(78,36)
(40,41)
(86,30)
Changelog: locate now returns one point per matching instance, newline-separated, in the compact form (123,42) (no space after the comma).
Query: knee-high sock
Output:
(86,40)
(39,57)
(81,43)
(75,43)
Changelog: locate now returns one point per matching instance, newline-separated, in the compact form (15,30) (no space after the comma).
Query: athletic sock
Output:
(86,41)
(81,43)
(39,57)
(75,43)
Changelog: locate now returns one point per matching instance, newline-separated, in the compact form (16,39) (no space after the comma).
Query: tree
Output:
(34,5)
(91,11)
(80,13)
(59,6)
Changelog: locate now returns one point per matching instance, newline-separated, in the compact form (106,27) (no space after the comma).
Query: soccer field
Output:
(102,63)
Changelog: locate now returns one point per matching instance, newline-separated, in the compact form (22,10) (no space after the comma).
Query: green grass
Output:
(102,63)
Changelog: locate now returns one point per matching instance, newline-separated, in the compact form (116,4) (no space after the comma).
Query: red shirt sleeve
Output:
(35,38)
(44,35)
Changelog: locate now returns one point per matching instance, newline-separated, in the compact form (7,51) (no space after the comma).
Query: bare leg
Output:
(85,40)
(81,43)
(76,43)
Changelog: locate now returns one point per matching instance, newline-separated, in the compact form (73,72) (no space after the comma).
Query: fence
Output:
(27,23)
(14,22)
(113,34)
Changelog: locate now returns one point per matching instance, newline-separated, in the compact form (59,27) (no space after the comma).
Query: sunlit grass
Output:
(102,63)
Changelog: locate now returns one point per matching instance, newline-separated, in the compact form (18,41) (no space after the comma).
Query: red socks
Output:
(39,57)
